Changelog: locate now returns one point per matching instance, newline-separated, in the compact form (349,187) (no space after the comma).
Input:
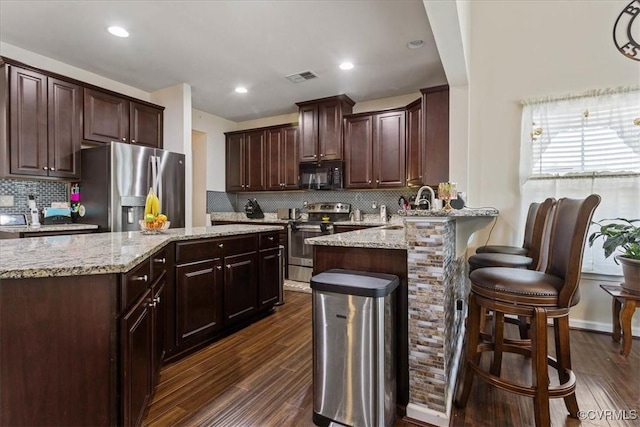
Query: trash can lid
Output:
(352,282)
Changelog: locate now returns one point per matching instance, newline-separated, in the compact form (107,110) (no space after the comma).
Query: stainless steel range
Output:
(321,217)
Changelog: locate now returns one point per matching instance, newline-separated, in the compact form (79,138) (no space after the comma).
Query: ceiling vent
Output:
(302,76)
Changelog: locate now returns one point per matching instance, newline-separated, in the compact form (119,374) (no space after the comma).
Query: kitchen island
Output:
(429,256)
(87,320)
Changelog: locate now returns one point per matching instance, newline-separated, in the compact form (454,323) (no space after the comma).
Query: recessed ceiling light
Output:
(241,89)
(415,44)
(118,31)
(346,66)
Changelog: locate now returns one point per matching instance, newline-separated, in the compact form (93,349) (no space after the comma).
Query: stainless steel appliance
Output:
(320,221)
(354,381)
(321,176)
(116,179)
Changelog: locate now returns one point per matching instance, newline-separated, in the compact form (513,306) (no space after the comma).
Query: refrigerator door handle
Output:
(159,180)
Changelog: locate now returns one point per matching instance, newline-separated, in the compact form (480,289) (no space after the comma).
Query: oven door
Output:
(299,253)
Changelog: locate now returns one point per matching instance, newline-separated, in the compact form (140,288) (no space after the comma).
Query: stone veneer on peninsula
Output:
(436,243)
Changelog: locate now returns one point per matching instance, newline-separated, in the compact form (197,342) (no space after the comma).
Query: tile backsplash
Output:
(271,201)
(45,192)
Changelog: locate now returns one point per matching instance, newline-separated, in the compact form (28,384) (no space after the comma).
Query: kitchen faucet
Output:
(431,193)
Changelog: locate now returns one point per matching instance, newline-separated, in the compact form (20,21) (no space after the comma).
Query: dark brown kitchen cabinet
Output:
(320,124)
(109,117)
(414,143)
(199,303)
(268,292)
(435,110)
(240,287)
(44,129)
(245,167)
(282,158)
(375,149)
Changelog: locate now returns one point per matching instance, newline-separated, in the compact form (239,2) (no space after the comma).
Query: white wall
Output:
(529,49)
(385,103)
(48,64)
(269,121)
(214,127)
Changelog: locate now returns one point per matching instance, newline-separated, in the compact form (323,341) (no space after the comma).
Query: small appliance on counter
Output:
(56,215)
(253,209)
(33,209)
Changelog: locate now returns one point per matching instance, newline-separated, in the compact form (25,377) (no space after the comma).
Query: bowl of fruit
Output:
(154,222)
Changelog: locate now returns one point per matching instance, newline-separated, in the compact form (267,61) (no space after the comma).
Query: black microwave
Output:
(321,176)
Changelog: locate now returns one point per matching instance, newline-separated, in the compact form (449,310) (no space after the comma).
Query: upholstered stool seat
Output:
(538,296)
(498,260)
(502,249)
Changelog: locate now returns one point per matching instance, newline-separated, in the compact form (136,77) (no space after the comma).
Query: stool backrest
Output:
(566,246)
(540,233)
(528,226)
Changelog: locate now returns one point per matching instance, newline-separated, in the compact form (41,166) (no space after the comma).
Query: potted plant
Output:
(623,235)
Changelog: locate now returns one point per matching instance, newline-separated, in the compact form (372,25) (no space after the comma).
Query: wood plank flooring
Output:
(262,376)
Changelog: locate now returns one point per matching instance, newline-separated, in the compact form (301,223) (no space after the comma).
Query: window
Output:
(579,145)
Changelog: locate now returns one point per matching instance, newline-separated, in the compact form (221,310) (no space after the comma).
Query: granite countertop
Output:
(464,212)
(98,253)
(384,237)
(369,220)
(47,228)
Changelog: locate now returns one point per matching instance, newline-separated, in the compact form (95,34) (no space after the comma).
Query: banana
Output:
(149,202)
(155,206)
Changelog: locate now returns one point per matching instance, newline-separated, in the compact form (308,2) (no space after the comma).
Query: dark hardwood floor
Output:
(261,376)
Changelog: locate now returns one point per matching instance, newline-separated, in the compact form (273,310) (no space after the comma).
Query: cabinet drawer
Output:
(158,264)
(134,283)
(269,240)
(213,248)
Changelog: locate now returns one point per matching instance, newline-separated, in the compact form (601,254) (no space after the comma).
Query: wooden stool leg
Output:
(628,308)
(472,354)
(563,354)
(498,341)
(540,372)
(615,309)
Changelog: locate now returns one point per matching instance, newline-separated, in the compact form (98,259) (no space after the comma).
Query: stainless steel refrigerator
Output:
(116,179)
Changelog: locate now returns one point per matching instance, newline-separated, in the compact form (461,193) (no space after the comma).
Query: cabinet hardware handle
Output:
(140,278)
(45,168)
(124,139)
(420,176)
(160,260)
(321,155)
(271,238)
(315,155)
(52,169)
(369,182)
(219,267)
(156,300)
(133,140)
(377,181)
(220,245)
(229,266)
(151,304)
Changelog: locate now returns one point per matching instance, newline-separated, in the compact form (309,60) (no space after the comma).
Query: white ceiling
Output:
(215,46)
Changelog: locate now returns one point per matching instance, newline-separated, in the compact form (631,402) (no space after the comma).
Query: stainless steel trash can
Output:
(354,374)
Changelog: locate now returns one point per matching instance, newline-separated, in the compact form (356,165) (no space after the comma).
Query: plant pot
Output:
(631,273)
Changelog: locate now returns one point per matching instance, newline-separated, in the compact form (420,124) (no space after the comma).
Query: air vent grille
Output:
(302,76)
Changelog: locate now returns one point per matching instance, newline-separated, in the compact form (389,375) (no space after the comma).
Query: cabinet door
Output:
(235,163)
(308,122)
(135,357)
(330,130)
(273,160)
(414,144)
(269,286)
(65,128)
(289,158)
(28,122)
(254,161)
(240,286)
(159,317)
(389,149)
(145,125)
(358,152)
(198,300)
(106,117)
(436,140)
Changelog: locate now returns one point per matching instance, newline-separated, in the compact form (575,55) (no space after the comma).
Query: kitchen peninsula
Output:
(87,320)
(429,255)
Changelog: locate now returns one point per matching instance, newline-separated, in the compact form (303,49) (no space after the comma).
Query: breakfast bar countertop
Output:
(384,237)
(46,228)
(98,253)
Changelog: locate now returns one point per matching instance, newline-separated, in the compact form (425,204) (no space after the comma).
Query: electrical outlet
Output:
(6,201)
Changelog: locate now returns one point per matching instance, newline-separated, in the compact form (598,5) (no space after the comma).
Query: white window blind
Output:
(578,145)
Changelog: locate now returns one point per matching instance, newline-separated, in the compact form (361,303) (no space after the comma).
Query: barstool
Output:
(526,244)
(537,295)
(536,232)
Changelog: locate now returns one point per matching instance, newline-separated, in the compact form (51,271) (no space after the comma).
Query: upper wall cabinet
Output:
(414,143)
(435,154)
(245,165)
(41,125)
(374,149)
(320,124)
(109,117)
(282,158)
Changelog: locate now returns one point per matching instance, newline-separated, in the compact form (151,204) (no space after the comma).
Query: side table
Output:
(624,305)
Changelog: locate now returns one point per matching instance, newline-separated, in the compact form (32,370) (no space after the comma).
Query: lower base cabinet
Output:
(240,287)
(269,292)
